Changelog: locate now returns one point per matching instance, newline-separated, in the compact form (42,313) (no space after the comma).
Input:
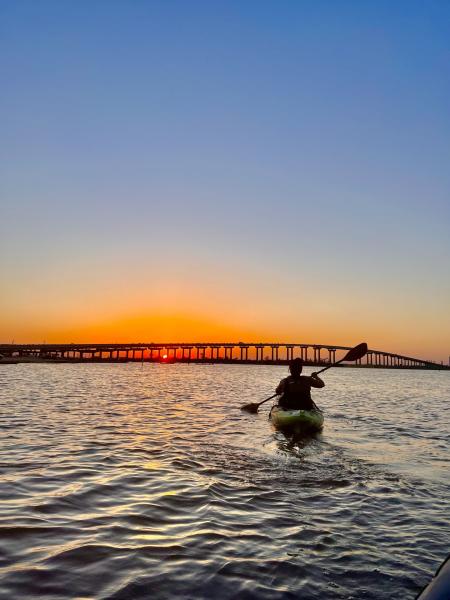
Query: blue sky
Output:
(290,156)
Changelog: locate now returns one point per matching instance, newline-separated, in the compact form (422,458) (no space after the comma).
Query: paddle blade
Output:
(251,408)
(357,352)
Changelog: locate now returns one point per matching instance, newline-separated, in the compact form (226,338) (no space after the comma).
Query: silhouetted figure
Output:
(295,390)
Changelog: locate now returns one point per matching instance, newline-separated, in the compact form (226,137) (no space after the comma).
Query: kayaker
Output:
(295,390)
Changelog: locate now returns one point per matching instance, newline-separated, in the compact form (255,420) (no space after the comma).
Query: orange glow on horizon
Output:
(169,327)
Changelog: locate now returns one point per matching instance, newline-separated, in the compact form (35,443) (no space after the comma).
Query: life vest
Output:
(296,394)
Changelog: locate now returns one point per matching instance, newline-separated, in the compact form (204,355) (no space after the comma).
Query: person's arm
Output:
(315,381)
(280,387)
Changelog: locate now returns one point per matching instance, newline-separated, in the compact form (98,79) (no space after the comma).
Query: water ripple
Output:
(147,481)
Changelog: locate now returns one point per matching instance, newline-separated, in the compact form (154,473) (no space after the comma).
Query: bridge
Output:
(197,352)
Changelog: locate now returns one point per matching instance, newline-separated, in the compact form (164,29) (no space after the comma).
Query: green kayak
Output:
(303,420)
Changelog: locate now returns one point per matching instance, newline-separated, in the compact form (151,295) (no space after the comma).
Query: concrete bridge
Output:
(208,352)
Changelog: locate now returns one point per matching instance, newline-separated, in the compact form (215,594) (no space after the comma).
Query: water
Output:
(147,481)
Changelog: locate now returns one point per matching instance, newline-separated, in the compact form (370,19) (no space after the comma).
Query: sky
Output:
(225,171)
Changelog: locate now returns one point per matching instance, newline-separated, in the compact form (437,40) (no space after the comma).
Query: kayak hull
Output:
(439,586)
(297,420)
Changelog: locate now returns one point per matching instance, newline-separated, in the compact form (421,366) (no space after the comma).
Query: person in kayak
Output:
(295,390)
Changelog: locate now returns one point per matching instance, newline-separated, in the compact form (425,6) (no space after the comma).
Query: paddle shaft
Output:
(267,399)
(353,354)
(317,373)
(333,365)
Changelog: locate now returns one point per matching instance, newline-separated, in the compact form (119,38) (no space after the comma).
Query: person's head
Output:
(295,367)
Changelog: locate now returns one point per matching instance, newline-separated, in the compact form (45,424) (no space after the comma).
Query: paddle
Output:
(354,354)
(253,406)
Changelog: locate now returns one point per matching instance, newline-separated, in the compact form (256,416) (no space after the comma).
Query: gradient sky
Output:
(225,171)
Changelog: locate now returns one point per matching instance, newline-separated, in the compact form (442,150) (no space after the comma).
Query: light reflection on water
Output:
(147,481)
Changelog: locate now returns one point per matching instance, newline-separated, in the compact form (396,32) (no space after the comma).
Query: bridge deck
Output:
(209,352)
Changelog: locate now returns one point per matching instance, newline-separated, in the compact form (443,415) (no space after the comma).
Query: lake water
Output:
(130,481)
